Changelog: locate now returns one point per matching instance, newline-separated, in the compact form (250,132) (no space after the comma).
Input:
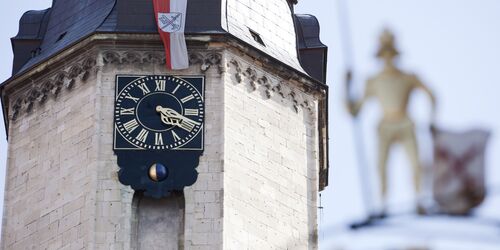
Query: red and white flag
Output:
(171,19)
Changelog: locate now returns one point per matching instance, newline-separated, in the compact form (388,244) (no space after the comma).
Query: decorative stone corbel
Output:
(293,101)
(31,98)
(211,59)
(39,91)
(73,73)
(195,58)
(45,90)
(111,57)
(278,88)
(265,87)
(215,59)
(251,75)
(88,67)
(154,58)
(131,57)
(16,108)
(237,68)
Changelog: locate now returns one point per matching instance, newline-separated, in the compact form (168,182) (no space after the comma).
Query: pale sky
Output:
(453,45)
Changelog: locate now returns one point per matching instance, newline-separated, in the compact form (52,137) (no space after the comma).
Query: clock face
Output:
(159,113)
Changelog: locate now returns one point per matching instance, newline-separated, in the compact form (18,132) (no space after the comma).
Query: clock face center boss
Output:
(158,136)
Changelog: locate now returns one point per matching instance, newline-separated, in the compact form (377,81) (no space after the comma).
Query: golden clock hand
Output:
(171,117)
(168,117)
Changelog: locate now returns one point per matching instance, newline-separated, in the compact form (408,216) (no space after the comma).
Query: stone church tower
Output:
(265,130)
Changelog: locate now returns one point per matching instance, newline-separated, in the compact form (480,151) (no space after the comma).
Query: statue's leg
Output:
(384,145)
(409,141)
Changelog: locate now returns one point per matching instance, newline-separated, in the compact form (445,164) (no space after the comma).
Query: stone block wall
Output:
(270,160)
(258,176)
(50,184)
(203,200)
(62,189)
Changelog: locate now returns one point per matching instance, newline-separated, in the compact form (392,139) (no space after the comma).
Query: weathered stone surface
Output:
(160,223)
(258,176)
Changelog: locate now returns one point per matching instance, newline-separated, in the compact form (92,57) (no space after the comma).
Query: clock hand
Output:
(171,117)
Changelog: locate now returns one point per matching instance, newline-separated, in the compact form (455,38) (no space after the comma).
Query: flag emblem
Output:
(170,22)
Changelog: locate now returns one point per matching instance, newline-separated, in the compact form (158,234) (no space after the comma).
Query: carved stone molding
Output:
(251,76)
(264,87)
(254,80)
(40,91)
(205,60)
(238,72)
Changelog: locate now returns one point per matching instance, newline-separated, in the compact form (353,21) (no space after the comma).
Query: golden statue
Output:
(392,88)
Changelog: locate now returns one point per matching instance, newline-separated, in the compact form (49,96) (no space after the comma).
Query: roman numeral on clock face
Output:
(176,137)
(187,125)
(158,139)
(144,88)
(160,85)
(142,136)
(176,88)
(130,97)
(191,112)
(187,98)
(124,111)
(131,125)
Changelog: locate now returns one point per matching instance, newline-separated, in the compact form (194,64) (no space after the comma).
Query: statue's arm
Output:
(423,87)
(354,106)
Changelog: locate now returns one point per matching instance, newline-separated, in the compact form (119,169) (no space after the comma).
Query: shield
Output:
(459,181)
(170,22)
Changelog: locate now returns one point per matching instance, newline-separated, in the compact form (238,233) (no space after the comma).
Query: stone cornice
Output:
(200,41)
(205,60)
(256,80)
(38,91)
(253,78)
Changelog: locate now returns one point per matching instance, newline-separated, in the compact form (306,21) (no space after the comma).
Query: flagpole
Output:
(363,169)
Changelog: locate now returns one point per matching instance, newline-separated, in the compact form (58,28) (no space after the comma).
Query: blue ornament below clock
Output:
(158,172)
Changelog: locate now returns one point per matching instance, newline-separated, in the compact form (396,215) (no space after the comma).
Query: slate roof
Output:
(70,21)
(42,34)
(272,21)
(313,53)
(32,28)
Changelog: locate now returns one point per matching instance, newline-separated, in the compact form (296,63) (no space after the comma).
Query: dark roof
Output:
(313,53)
(308,29)
(43,34)
(32,28)
(137,16)
(70,20)
(33,24)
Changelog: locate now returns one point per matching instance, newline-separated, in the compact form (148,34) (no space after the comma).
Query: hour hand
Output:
(171,117)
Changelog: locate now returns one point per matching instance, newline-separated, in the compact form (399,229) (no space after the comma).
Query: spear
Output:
(363,169)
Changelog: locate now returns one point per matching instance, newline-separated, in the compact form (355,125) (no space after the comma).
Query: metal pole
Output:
(363,168)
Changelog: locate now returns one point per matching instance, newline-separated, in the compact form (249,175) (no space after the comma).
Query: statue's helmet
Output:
(387,46)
